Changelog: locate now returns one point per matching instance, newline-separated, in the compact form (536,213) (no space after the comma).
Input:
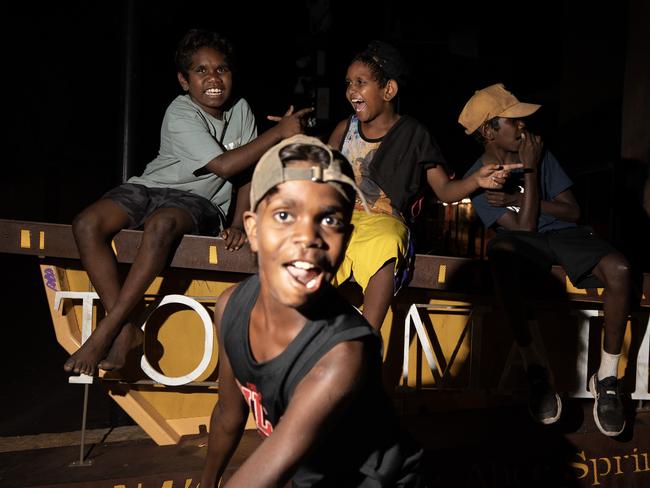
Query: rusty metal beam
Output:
(453,277)
(56,241)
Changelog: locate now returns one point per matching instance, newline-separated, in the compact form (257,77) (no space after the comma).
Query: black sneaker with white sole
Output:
(608,408)
(544,404)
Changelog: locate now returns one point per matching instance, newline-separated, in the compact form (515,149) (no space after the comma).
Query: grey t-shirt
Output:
(189,139)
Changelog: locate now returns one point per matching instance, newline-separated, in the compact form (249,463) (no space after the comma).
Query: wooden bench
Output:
(451,275)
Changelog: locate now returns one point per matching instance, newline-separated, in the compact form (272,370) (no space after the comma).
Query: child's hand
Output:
(503,199)
(234,238)
(493,176)
(290,123)
(530,149)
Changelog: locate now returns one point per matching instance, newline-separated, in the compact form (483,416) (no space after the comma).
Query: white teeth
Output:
(302,265)
(311,284)
(359,104)
(214,91)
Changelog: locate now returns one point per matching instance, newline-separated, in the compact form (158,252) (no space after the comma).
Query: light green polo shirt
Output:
(189,139)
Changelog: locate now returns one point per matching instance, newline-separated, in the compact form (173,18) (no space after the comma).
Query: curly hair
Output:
(195,39)
(385,63)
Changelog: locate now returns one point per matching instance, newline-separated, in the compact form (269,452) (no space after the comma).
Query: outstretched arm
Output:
(320,398)
(490,176)
(233,162)
(229,415)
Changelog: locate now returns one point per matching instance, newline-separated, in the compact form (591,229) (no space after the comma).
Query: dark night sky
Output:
(67,62)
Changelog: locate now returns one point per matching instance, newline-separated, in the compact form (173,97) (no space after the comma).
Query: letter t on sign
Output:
(87,298)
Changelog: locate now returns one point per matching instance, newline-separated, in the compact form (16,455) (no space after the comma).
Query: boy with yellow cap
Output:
(535,216)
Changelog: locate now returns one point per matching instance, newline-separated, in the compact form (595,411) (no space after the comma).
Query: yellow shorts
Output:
(375,240)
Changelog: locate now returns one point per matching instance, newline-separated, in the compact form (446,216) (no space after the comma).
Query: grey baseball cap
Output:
(271,171)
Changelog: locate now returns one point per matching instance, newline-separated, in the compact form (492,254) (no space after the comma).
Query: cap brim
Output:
(520,110)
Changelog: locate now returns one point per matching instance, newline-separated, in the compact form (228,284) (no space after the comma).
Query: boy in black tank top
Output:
(292,350)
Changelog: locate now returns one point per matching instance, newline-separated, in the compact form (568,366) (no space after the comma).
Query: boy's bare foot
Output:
(129,338)
(85,359)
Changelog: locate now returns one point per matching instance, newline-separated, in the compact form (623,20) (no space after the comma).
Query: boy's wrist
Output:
(237,224)
(477,180)
(277,133)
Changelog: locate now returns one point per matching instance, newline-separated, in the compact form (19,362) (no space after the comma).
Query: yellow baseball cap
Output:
(490,102)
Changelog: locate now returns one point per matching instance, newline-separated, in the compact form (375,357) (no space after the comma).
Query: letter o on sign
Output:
(207,347)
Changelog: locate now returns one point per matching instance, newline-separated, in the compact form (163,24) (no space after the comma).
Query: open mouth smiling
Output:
(359,104)
(214,92)
(307,274)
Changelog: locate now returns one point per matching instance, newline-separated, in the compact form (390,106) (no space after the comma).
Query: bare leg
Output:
(505,266)
(614,271)
(162,230)
(609,414)
(378,295)
(93,229)
(544,404)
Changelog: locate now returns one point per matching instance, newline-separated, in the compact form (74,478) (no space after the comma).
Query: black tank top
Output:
(365,447)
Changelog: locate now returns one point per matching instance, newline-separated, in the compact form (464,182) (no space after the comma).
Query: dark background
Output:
(66,66)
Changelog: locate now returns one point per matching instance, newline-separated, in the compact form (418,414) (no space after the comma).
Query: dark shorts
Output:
(140,201)
(577,249)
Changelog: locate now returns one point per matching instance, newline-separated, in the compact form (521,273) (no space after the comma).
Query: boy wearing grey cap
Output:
(392,156)
(535,217)
(293,351)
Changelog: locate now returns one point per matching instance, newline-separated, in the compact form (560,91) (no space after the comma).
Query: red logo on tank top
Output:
(254,400)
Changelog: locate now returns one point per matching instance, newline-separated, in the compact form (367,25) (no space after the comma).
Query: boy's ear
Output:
(184,83)
(390,90)
(486,131)
(250,225)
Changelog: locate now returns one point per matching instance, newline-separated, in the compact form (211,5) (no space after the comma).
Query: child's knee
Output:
(501,246)
(615,269)
(86,224)
(163,227)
